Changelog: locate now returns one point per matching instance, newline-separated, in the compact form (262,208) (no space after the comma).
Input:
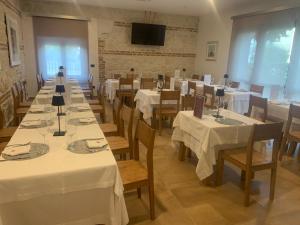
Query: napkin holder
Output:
(199,105)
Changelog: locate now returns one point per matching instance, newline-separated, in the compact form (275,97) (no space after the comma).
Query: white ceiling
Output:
(180,7)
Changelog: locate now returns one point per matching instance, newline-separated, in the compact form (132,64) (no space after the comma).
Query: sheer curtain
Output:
(61,42)
(264,51)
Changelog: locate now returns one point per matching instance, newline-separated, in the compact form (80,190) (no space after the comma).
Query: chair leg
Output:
(151,200)
(247,188)
(220,168)
(181,153)
(160,125)
(283,148)
(139,191)
(272,184)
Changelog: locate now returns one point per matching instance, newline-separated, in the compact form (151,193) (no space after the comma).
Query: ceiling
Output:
(180,7)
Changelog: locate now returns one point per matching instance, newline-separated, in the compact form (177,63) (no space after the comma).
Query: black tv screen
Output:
(148,34)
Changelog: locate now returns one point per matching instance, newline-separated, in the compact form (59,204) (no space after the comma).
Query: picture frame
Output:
(13,39)
(212,50)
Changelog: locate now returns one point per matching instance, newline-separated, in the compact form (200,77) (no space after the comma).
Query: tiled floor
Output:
(182,199)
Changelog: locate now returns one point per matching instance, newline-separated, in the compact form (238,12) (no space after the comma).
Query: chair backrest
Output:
(101,93)
(117,76)
(187,102)
(90,81)
(169,96)
(255,104)
(191,86)
(235,84)
(39,81)
(126,116)
(24,89)
(263,132)
(167,82)
(196,77)
(116,110)
(131,76)
(294,113)
(126,81)
(6,107)
(16,98)
(147,83)
(209,94)
(257,88)
(145,135)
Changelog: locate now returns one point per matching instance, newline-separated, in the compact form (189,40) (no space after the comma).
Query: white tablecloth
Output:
(61,187)
(205,136)
(112,85)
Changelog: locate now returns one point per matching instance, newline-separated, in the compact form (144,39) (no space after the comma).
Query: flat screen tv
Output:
(148,34)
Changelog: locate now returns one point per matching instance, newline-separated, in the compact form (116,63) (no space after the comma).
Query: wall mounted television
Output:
(148,34)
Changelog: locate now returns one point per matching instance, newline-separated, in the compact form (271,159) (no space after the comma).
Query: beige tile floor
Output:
(182,199)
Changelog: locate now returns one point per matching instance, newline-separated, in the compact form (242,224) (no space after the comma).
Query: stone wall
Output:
(116,54)
(9,74)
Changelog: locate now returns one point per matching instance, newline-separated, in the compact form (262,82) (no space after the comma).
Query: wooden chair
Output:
(187,102)
(147,83)
(19,112)
(167,84)
(257,103)
(234,84)
(191,86)
(210,98)
(131,76)
(167,110)
(88,91)
(39,81)
(291,136)
(257,89)
(5,132)
(117,76)
(20,93)
(250,160)
(112,129)
(120,144)
(196,77)
(100,108)
(126,91)
(97,100)
(134,175)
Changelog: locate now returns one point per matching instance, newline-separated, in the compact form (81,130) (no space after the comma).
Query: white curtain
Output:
(265,51)
(62,42)
(68,52)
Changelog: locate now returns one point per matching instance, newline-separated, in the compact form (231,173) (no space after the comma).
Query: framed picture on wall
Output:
(211,50)
(13,39)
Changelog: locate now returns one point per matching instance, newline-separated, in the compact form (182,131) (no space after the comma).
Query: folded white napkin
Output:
(76,91)
(17,150)
(47,88)
(45,91)
(87,120)
(37,108)
(99,143)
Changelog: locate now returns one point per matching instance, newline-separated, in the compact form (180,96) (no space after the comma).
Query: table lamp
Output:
(220,93)
(60,89)
(226,76)
(58,100)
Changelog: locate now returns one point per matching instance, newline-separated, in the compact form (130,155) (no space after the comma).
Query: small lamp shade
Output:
(58,100)
(61,67)
(60,74)
(60,89)
(220,92)
(226,76)
(160,77)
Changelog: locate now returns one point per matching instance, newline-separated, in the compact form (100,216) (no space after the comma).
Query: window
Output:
(264,52)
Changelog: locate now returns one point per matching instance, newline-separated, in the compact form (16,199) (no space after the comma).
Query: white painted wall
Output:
(29,55)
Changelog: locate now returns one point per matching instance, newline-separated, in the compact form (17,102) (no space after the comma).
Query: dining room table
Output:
(112,85)
(69,179)
(208,135)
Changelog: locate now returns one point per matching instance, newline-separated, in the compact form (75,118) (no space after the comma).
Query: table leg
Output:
(181,154)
